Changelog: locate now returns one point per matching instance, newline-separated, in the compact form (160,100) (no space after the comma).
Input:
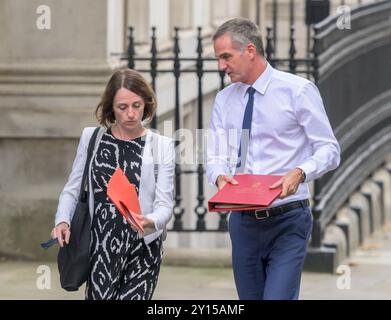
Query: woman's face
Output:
(128,109)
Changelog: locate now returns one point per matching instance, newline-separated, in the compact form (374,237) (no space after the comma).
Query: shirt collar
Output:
(261,84)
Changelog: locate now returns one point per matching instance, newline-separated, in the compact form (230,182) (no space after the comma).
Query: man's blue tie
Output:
(246,128)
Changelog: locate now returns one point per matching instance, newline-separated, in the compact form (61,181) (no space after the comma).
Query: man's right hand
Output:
(223,180)
(62,233)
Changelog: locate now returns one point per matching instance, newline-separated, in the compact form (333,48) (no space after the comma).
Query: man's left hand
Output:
(290,183)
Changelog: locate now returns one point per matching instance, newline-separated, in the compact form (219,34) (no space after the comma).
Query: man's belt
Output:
(275,211)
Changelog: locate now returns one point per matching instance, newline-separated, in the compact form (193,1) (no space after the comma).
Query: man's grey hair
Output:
(243,32)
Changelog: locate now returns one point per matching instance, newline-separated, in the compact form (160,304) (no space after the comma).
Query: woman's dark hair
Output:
(133,81)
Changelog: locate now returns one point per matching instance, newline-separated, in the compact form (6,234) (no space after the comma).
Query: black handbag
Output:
(73,259)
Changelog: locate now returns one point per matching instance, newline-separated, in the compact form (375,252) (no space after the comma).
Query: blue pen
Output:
(49,243)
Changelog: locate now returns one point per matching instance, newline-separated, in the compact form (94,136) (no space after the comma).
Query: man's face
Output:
(231,59)
(128,109)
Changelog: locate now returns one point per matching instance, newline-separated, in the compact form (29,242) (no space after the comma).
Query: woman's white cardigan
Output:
(155,193)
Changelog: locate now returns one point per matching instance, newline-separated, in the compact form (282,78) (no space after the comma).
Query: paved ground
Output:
(367,276)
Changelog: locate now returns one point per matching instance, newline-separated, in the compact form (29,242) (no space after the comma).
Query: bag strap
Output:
(83,194)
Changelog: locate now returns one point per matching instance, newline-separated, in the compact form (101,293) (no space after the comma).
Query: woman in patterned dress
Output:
(124,263)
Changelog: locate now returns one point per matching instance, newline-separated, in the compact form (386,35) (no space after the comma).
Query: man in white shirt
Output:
(267,122)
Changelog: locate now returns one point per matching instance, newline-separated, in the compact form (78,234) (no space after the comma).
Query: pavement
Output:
(364,276)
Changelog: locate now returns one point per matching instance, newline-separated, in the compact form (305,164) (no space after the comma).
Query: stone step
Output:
(366,213)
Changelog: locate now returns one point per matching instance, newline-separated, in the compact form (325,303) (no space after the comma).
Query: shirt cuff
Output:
(306,167)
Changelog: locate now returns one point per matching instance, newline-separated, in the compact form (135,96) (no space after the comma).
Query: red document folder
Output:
(124,196)
(251,192)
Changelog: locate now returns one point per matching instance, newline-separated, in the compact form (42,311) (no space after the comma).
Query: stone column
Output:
(201,13)
(51,79)
(54,64)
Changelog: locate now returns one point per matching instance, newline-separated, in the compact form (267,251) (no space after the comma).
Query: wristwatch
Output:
(303,175)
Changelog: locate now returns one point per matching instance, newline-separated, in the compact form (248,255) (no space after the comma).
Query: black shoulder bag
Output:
(74,258)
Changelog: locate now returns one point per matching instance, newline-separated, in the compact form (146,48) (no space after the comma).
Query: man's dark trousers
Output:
(268,254)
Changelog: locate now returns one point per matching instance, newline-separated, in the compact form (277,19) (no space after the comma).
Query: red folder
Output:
(124,195)
(251,192)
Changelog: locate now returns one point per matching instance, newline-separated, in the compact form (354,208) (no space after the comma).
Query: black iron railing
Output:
(313,66)
(303,66)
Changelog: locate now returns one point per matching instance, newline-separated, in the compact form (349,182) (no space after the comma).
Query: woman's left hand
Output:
(147,223)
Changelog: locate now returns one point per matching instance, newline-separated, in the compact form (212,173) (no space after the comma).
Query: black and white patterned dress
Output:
(122,266)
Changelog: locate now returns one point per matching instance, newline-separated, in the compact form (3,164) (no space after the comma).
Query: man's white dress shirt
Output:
(289,129)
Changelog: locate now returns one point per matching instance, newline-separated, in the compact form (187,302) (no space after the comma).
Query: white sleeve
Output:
(69,195)
(164,189)
(312,117)
(217,162)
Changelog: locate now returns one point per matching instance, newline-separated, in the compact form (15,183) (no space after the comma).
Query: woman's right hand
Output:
(62,233)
